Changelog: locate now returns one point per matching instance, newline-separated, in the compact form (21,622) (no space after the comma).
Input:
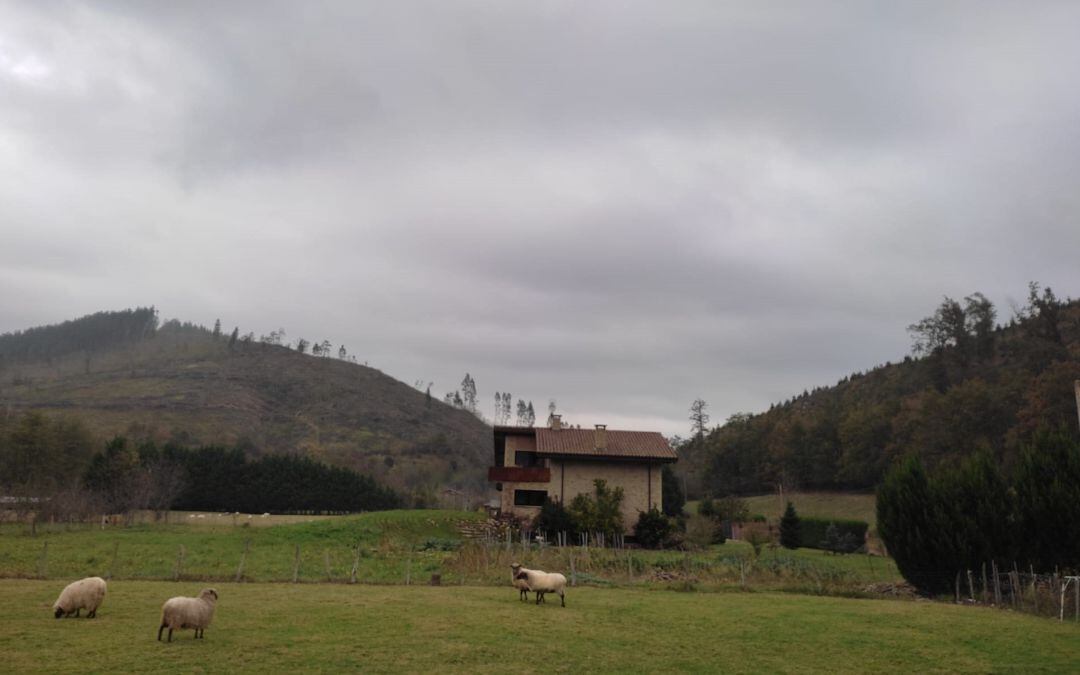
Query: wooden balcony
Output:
(518,474)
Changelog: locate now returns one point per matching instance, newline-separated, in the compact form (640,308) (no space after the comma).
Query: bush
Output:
(815,533)
(701,531)
(835,542)
(554,518)
(653,529)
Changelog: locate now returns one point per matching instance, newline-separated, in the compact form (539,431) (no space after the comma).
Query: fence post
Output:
(958,588)
(296,565)
(573,572)
(971,587)
(355,564)
(179,569)
(326,563)
(408,566)
(997,583)
(985,586)
(112,563)
(243,559)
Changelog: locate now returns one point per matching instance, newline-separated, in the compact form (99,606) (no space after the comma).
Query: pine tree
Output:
(790,530)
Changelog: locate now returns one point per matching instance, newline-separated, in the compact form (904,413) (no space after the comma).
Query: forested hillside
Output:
(122,373)
(969,384)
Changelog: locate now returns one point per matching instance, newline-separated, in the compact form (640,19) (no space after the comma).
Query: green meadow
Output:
(399,547)
(371,628)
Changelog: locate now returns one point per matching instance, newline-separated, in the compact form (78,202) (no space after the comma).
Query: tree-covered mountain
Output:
(123,373)
(970,384)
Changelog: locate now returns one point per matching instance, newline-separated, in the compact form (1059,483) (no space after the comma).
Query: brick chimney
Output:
(601,437)
(556,422)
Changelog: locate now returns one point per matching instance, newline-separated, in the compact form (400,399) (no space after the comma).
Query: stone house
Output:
(534,463)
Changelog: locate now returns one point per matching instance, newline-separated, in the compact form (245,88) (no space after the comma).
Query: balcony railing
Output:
(518,474)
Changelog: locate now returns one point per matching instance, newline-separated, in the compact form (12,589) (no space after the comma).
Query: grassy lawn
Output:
(388,541)
(278,627)
(844,505)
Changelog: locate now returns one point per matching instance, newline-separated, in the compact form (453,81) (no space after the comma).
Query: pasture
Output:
(398,547)
(306,627)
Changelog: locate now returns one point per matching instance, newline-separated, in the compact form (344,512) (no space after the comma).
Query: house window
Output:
(529,497)
(526,459)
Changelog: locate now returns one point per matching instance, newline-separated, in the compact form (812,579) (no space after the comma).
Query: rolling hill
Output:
(121,373)
(971,385)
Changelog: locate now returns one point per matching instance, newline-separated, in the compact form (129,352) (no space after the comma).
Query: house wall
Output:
(506,497)
(516,443)
(570,478)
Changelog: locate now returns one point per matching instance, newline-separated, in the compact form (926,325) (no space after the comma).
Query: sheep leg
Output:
(562,596)
(160,628)
(170,633)
(92,614)
(78,612)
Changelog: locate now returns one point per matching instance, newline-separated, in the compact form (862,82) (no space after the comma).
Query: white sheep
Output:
(88,593)
(543,582)
(520,584)
(181,612)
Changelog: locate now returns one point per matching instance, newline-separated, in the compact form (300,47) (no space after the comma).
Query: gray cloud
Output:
(622,206)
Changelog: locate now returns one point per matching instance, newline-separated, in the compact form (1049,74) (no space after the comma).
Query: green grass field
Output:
(310,627)
(845,505)
(396,546)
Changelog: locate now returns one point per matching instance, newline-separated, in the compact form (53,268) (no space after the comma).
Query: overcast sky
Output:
(621,206)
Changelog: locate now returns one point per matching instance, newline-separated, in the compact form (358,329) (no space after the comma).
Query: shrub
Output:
(790,530)
(653,529)
(701,531)
(815,533)
(553,518)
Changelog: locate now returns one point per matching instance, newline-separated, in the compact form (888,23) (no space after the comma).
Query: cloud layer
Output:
(621,206)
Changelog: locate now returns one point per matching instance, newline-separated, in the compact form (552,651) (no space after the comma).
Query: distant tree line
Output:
(94,333)
(970,385)
(48,468)
(222,479)
(937,524)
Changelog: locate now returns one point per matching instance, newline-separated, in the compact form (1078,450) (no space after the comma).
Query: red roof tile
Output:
(627,444)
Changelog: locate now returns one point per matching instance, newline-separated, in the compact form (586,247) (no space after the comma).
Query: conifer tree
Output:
(790,529)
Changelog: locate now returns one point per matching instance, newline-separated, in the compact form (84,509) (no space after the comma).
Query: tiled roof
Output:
(628,444)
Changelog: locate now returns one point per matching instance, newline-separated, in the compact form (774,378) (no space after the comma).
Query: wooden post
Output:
(296,565)
(112,563)
(408,568)
(985,586)
(355,564)
(1076,590)
(178,571)
(1034,589)
(1061,614)
(958,588)
(573,572)
(243,559)
(997,583)
(971,587)
(326,562)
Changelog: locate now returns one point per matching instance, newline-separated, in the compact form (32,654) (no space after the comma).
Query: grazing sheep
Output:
(520,584)
(543,582)
(179,613)
(88,593)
